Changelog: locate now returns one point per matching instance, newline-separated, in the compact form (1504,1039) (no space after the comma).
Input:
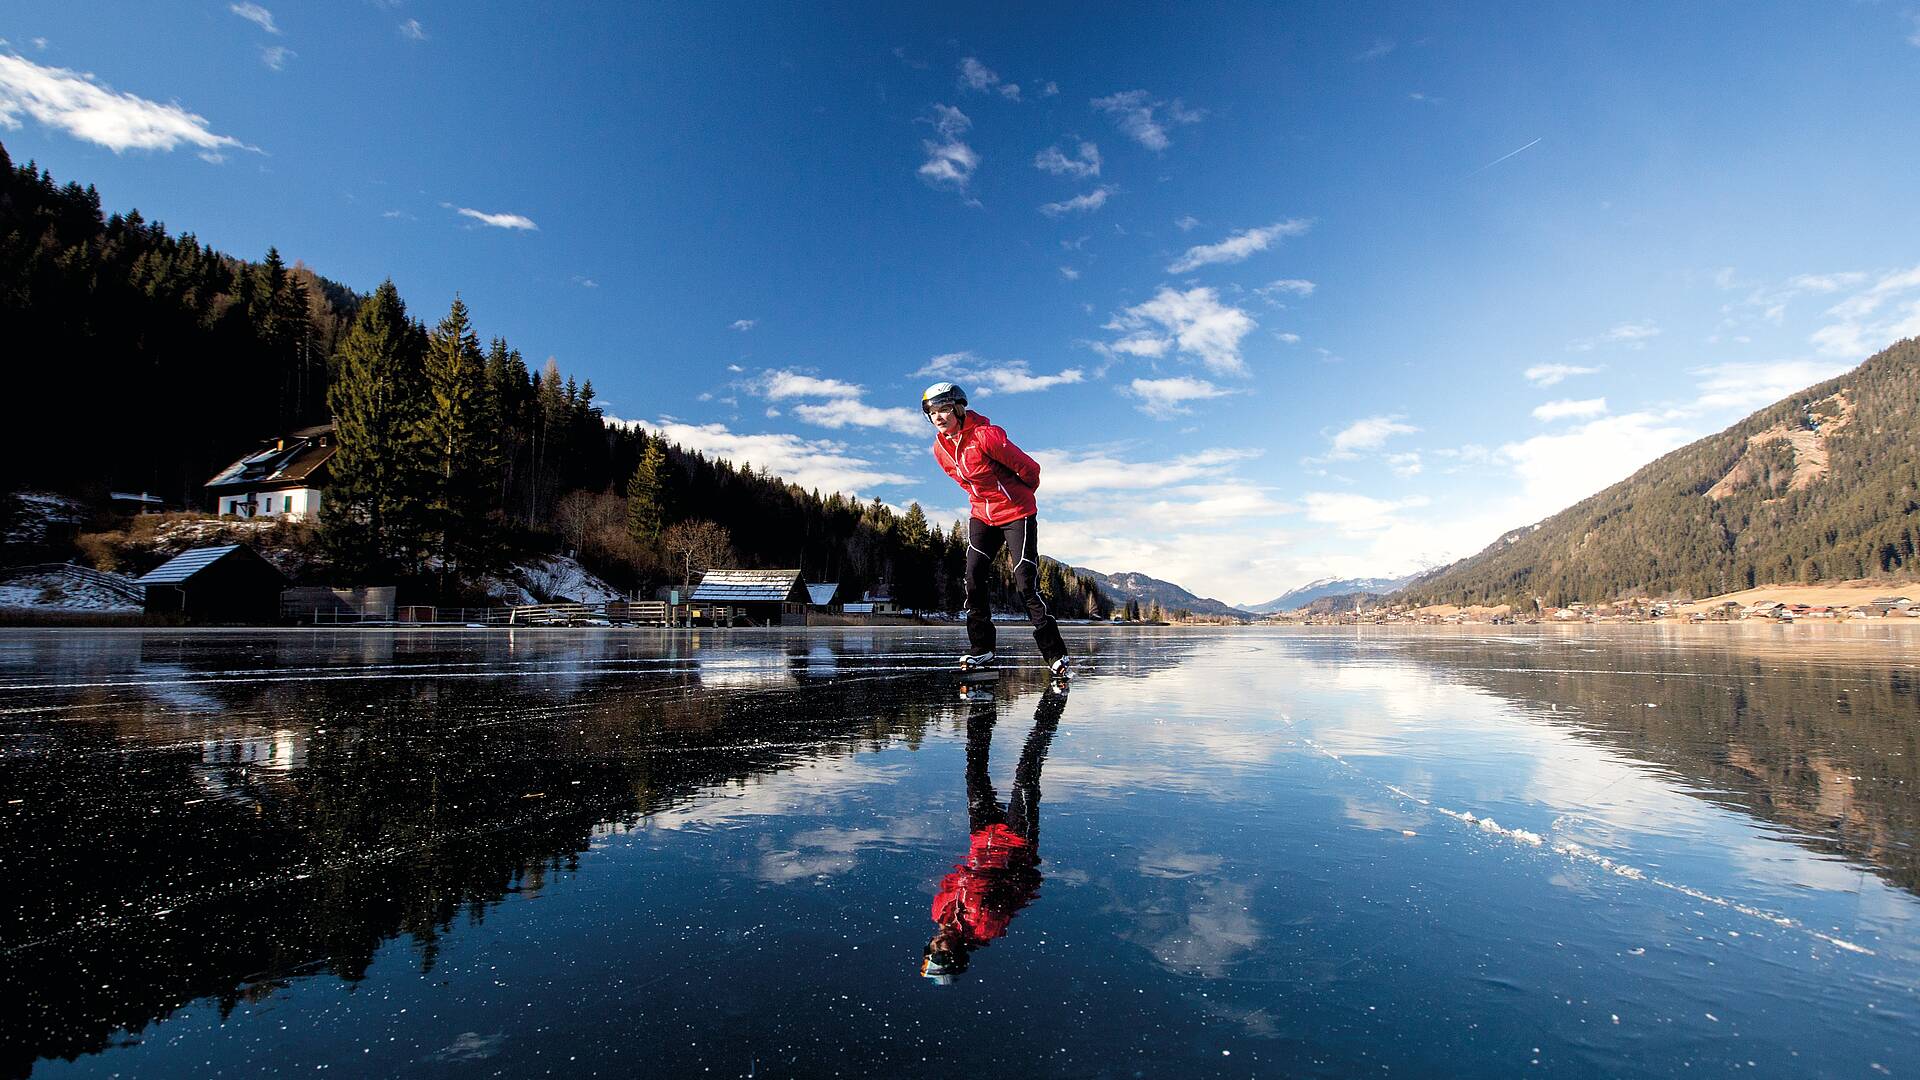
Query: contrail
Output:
(1502,158)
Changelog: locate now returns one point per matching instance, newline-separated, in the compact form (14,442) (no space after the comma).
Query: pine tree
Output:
(372,511)
(459,445)
(913,528)
(646,495)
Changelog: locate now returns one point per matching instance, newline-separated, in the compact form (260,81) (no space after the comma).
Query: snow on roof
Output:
(185,565)
(822,594)
(746,586)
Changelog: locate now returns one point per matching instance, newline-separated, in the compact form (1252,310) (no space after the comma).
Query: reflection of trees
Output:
(172,854)
(1830,752)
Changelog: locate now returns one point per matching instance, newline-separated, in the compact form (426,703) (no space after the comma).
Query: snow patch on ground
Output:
(54,591)
(549,578)
(35,515)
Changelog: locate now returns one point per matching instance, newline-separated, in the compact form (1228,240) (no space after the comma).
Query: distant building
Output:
(284,478)
(875,601)
(226,584)
(127,502)
(762,597)
(824,595)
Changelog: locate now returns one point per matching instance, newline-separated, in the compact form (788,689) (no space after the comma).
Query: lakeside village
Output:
(250,562)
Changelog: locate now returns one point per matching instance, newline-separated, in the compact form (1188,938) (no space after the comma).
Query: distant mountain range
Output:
(1314,590)
(1132,586)
(1822,485)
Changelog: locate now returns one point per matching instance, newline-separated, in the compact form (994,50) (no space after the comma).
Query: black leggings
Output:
(1021,538)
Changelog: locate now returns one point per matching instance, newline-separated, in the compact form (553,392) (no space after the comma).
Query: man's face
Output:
(946,418)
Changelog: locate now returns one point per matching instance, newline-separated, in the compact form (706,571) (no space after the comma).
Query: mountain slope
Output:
(1314,590)
(1824,484)
(1133,586)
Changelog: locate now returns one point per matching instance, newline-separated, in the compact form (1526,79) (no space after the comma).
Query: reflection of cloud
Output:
(1217,931)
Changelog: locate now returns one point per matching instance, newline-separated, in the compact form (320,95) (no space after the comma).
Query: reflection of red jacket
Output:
(999,879)
(999,476)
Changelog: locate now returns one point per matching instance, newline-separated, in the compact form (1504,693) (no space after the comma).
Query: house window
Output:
(288,508)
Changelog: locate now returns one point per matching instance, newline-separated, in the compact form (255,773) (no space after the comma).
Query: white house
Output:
(284,478)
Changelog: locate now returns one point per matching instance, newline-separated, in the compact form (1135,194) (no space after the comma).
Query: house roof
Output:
(822,593)
(747,586)
(185,565)
(282,462)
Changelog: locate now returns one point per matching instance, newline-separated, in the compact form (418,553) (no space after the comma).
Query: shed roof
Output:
(748,586)
(185,565)
(822,593)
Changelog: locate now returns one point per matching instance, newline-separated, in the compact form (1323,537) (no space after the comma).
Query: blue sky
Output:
(1273,292)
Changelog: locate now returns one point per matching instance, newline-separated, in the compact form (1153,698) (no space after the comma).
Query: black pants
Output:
(1021,538)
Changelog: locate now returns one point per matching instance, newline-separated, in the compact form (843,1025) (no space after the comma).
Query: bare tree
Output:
(697,546)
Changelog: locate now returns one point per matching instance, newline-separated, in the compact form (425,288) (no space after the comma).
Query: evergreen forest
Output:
(155,361)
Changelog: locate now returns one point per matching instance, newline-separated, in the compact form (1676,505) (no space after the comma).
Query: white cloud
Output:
(1166,398)
(1238,246)
(744,325)
(1195,322)
(1091,201)
(1070,273)
(1353,513)
(1066,473)
(1052,89)
(276,56)
(585,282)
(781,384)
(1560,410)
(498,221)
(1370,433)
(812,463)
(978,77)
(1914,38)
(1407,464)
(1379,48)
(1143,118)
(1186,223)
(995,376)
(87,110)
(950,162)
(1863,327)
(1552,374)
(1287,286)
(1825,283)
(1084,166)
(1747,386)
(1288,337)
(1559,470)
(848,412)
(413,31)
(256,15)
(1631,335)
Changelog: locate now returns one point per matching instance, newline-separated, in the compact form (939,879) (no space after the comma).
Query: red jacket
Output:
(999,477)
(999,878)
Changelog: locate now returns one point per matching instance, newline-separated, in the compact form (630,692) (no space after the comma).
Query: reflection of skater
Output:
(1002,871)
(1000,480)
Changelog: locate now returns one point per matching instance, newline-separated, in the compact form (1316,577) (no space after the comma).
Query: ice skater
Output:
(1000,480)
(1002,872)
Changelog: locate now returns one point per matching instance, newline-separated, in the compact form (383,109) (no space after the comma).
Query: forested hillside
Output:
(1823,485)
(146,361)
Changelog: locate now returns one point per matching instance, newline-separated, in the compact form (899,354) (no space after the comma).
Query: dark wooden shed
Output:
(226,584)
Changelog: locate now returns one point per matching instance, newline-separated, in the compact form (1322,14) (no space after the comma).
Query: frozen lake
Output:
(1594,851)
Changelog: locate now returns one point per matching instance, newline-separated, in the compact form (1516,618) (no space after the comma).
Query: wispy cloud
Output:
(1370,433)
(1195,322)
(996,376)
(1356,514)
(1079,204)
(950,162)
(1070,273)
(1567,407)
(744,325)
(1145,119)
(1287,287)
(1554,374)
(1238,246)
(276,56)
(835,403)
(779,384)
(1629,335)
(498,221)
(1407,464)
(1186,223)
(76,104)
(812,463)
(980,78)
(1752,385)
(413,31)
(1379,48)
(1164,399)
(1085,165)
(256,15)
(1873,318)
(585,282)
